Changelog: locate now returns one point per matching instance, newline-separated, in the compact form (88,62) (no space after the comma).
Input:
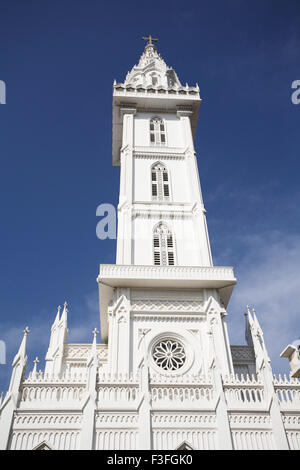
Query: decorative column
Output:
(145,432)
(214,314)
(90,405)
(224,431)
(119,332)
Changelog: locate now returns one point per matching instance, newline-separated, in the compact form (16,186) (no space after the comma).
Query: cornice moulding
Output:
(180,277)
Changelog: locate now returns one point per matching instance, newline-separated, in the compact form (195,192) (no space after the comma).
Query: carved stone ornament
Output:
(169,354)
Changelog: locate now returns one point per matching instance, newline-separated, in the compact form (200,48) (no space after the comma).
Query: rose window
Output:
(169,354)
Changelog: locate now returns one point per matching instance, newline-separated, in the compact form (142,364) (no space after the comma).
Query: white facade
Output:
(165,375)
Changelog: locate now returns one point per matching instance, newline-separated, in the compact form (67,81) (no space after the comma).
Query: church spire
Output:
(58,339)
(22,348)
(152,70)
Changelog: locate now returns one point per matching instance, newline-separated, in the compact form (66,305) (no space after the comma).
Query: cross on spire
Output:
(149,39)
(95,331)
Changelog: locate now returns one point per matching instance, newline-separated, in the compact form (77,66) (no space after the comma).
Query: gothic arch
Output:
(157,130)
(160,182)
(163,245)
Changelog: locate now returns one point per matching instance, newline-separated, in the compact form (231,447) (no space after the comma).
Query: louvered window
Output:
(163,246)
(157,131)
(160,182)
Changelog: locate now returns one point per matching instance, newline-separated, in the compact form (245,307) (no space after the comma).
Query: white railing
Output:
(55,394)
(119,378)
(287,390)
(243,390)
(288,397)
(284,380)
(67,377)
(241,379)
(181,394)
(117,395)
(185,379)
(237,397)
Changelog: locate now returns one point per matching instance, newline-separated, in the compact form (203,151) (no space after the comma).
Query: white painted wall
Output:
(178,179)
(174,131)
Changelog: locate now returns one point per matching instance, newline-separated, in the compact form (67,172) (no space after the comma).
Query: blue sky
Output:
(58,60)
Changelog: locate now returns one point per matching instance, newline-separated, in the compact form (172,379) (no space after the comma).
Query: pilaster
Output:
(11,400)
(145,432)
(224,432)
(124,255)
(90,405)
(119,329)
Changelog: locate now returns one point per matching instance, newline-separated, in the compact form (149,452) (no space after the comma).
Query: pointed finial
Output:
(65,306)
(26,331)
(22,349)
(57,315)
(35,362)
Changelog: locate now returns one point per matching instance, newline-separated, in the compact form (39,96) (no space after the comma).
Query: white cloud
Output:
(86,318)
(269,281)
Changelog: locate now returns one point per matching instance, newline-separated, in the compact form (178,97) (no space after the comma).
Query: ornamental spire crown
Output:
(151,70)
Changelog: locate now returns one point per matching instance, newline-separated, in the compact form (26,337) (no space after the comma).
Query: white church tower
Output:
(165,376)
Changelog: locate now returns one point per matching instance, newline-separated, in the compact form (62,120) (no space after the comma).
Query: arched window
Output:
(157,131)
(154,79)
(159,182)
(163,246)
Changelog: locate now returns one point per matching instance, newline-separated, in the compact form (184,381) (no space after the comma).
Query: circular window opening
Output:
(169,354)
